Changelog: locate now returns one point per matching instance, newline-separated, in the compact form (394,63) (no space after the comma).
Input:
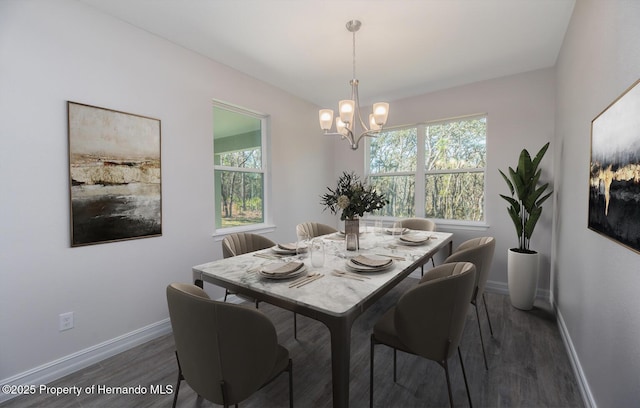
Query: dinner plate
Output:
(297,273)
(283,251)
(362,268)
(414,243)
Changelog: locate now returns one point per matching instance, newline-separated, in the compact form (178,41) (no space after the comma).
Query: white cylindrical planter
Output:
(522,278)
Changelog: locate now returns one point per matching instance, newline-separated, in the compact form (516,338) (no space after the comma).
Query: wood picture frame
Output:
(114,175)
(614,175)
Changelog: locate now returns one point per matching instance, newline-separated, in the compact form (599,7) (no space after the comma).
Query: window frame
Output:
(265,169)
(421,172)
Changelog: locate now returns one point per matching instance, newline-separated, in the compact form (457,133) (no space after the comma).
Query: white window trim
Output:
(265,170)
(420,174)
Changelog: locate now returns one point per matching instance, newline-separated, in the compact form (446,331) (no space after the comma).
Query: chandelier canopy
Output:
(349,109)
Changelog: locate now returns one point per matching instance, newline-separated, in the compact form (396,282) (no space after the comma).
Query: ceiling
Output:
(404,48)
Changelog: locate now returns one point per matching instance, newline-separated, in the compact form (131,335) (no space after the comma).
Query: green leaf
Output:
(506,179)
(540,155)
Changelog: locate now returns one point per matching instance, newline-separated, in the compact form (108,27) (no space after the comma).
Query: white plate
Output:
(390,231)
(283,251)
(297,273)
(361,268)
(410,243)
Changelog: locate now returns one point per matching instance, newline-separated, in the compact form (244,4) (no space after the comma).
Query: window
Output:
(434,170)
(239,139)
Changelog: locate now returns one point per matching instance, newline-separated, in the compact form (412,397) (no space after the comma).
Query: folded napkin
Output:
(287,247)
(414,238)
(282,268)
(396,230)
(370,262)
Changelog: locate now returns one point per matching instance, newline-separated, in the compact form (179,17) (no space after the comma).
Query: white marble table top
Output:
(332,295)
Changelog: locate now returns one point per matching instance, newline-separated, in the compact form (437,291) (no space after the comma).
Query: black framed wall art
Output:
(614,177)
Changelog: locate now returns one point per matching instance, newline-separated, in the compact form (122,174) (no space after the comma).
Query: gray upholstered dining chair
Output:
(244,243)
(478,251)
(314,229)
(420,224)
(225,352)
(428,320)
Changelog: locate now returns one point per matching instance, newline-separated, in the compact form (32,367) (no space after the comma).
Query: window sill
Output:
(219,234)
(442,225)
(451,225)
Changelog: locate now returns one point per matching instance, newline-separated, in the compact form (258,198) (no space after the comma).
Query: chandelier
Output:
(349,109)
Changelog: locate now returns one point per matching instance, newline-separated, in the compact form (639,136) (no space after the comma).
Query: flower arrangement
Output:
(352,197)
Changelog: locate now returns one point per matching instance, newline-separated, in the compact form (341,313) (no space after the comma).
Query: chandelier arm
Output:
(357,102)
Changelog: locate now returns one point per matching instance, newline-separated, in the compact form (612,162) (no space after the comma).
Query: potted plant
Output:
(525,208)
(352,198)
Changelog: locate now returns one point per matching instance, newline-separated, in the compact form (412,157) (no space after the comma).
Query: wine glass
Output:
(396,231)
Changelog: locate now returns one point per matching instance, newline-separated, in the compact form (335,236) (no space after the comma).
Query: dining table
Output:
(332,293)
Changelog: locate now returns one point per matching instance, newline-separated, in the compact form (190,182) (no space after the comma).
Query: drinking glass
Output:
(316,250)
(351,242)
(378,228)
(397,229)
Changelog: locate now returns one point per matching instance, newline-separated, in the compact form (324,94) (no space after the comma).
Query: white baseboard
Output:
(583,384)
(66,365)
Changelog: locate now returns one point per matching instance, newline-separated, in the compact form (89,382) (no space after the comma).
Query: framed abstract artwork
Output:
(614,177)
(114,173)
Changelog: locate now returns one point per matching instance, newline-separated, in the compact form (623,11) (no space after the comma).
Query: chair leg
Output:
(446,374)
(486,310)
(180,378)
(225,404)
(464,375)
(484,355)
(295,325)
(290,369)
(395,355)
(371,374)
(226,293)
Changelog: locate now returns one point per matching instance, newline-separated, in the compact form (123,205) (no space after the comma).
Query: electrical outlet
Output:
(65,321)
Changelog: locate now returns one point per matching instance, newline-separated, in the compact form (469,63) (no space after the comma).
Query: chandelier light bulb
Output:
(380,113)
(347,109)
(326,119)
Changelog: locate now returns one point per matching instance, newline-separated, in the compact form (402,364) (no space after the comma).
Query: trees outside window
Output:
(434,170)
(238,142)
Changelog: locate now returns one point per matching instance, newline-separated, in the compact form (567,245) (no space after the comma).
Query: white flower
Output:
(343,202)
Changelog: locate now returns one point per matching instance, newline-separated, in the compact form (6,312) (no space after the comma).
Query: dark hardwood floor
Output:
(528,367)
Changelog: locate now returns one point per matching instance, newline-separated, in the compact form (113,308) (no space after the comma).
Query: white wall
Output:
(520,111)
(51,52)
(595,281)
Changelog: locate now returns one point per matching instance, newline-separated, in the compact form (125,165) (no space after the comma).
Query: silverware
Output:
(397,258)
(349,274)
(313,279)
(267,256)
(342,275)
(301,279)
